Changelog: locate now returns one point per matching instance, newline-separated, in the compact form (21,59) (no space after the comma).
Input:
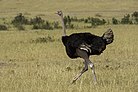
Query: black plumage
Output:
(85,44)
(94,45)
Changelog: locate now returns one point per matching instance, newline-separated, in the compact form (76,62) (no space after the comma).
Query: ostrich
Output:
(84,45)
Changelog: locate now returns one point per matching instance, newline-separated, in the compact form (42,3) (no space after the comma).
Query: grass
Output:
(79,8)
(35,61)
(27,66)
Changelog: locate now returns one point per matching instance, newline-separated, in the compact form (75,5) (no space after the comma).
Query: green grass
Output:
(27,66)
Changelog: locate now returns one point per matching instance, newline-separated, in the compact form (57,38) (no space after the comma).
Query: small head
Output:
(59,13)
(108,36)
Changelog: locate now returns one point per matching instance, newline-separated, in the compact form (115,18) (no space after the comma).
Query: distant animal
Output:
(84,45)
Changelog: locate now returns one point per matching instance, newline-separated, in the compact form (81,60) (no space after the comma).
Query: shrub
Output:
(85,20)
(19,20)
(67,22)
(126,20)
(20,27)
(114,21)
(81,20)
(135,17)
(56,24)
(71,26)
(74,18)
(45,25)
(36,20)
(98,15)
(43,39)
(3,27)
(135,14)
(97,21)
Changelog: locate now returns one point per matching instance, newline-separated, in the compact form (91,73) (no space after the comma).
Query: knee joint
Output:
(91,66)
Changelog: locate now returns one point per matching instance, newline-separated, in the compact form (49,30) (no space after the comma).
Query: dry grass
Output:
(26,66)
(79,8)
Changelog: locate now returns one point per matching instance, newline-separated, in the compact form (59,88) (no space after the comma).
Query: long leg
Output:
(93,70)
(83,54)
(83,70)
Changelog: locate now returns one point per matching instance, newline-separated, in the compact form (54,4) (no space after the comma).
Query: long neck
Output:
(63,26)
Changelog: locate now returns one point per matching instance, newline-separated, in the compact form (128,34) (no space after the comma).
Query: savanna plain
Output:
(27,65)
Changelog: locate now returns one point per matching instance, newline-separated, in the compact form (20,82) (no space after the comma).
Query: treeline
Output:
(20,21)
(37,23)
(127,19)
